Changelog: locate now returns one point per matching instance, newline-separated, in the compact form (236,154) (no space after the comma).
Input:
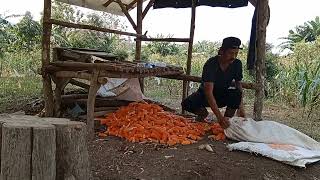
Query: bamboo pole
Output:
(84,26)
(138,42)
(164,39)
(46,34)
(262,20)
(192,27)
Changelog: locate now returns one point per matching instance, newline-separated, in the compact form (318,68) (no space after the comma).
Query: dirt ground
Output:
(114,158)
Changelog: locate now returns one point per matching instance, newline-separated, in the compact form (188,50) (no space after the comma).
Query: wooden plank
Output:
(126,13)
(188,70)
(145,11)
(70,74)
(45,59)
(164,39)
(83,26)
(262,21)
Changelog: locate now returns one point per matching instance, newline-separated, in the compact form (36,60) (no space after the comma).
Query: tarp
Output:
(112,8)
(188,3)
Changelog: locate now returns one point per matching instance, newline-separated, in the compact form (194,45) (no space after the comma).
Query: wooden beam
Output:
(125,12)
(262,21)
(95,28)
(192,27)
(164,39)
(106,4)
(45,59)
(129,6)
(80,84)
(145,11)
(245,85)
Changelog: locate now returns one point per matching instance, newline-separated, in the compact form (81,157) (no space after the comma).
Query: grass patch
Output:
(16,91)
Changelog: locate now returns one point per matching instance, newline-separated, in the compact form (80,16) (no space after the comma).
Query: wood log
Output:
(83,26)
(97,109)
(43,148)
(100,102)
(15,152)
(72,153)
(27,142)
(163,39)
(74,96)
(44,152)
(262,21)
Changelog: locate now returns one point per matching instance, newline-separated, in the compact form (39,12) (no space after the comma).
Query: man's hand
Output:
(241,112)
(224,122)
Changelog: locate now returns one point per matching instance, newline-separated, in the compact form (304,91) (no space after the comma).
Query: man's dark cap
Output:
(231,43)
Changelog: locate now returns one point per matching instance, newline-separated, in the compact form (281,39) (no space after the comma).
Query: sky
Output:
(212,24)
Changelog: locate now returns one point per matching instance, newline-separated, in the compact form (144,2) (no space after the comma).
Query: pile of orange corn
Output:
(141,122)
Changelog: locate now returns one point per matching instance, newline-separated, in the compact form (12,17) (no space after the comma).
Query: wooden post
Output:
(262,20)
(46,34)
(61,83)
(94,86)
(192,27)
(138,42)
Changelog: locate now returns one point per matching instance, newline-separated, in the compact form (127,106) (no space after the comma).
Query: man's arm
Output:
(208,89)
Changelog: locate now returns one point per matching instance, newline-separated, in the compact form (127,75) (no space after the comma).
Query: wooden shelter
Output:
(62,72)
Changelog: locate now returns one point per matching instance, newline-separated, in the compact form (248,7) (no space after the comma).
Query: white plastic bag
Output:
(272,139)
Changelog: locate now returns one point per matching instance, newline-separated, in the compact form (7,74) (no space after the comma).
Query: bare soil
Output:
(115,158)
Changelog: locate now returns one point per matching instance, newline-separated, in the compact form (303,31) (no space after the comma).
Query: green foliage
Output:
(163,48)
(27,33)
(298,80)
(307,32)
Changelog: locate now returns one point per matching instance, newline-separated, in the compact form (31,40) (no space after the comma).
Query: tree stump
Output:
(34,148)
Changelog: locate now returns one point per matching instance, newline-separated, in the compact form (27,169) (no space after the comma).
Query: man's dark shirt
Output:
(221,79)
